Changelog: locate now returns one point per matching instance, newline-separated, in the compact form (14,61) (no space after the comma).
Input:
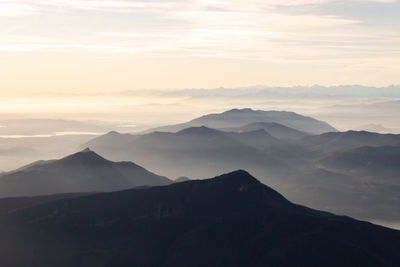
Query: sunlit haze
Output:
(199,133)
(63,46)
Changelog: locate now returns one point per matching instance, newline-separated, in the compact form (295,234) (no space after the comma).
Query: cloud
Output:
(246,30)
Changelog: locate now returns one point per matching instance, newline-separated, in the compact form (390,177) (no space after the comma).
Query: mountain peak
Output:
(85,156)
(242,110)
(239,176)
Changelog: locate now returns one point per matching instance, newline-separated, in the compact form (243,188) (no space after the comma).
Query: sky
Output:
(87,46)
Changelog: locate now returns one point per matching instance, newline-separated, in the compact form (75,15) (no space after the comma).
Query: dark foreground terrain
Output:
(230,220)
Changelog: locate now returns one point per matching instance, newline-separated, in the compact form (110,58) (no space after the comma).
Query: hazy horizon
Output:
(84,46)
(146,63)
(136,110)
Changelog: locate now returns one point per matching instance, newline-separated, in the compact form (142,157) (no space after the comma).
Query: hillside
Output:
(230,220)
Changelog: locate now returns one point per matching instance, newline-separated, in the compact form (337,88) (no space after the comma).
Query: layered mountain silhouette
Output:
(241,117)
(196,151)
(84,171)
(379,161)
(274,129)
(299,168)
(336,141)
(230,220)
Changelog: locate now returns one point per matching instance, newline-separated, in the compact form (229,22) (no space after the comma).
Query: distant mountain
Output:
(231,220)
(337,141)
(377,128)
(195,151)
(112,139)
(371,161)
(240,117)
(274,129)
(84,171)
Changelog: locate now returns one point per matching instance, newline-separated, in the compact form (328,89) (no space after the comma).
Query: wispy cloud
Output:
(278,32)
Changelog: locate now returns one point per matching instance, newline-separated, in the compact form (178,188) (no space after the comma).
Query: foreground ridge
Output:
(229,220)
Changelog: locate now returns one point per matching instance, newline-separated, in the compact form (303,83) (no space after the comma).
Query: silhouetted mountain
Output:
(274,129)
(371,161)
(193,152)
(336,141)
(84,171)
(240,117)
(293,169)
(231,220)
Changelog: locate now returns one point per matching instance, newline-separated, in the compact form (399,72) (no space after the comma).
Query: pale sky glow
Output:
(115,45)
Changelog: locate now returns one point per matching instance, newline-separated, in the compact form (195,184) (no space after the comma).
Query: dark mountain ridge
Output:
(231,220)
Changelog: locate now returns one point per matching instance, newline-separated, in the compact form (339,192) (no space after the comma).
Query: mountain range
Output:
(330,171)
(86,210)
(196,152)
(230,220)
(298,166)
